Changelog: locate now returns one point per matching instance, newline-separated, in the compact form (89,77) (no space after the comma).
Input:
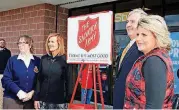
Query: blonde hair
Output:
(138,11)
(29,41)
(157,25)
(60,41)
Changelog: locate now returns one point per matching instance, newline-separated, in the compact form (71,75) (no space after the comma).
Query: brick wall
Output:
(62,23)
(37,21)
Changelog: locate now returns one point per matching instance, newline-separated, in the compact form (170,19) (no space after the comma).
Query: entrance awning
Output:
(14,4)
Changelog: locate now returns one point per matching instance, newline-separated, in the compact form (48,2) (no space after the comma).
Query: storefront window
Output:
(172,20)
(121,39)
(173,24)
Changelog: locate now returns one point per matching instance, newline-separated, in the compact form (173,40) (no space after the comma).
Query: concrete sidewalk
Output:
(98,104)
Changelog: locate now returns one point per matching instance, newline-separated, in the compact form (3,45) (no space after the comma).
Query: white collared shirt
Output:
(132,42)
(26,59)
(1,49)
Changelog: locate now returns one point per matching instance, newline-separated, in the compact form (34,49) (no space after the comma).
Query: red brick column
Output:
(62,23)
(36,21)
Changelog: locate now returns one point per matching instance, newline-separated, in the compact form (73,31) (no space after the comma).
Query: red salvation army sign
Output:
(88,34)
(90,38)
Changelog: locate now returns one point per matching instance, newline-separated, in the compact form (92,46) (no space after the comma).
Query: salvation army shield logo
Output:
(88,33)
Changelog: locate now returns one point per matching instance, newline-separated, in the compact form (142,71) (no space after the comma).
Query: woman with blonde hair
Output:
(19,77)
(52,88)
(150,83)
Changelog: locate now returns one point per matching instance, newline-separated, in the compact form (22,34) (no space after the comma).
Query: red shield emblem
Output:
(88,33)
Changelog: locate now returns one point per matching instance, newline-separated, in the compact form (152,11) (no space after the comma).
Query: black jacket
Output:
(5,54)
(52,81)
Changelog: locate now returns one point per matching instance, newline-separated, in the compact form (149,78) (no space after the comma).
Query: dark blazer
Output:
(5,54)
(119,87)
(52,82)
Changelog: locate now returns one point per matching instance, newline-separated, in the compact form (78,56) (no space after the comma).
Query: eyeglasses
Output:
(19,43)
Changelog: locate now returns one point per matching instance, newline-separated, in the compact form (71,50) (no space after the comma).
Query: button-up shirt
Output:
(26,59)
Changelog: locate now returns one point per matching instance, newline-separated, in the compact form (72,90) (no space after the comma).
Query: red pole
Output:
(74,91)
(94,78)
(100,87)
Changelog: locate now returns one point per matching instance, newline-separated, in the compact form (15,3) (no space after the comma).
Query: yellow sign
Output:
(121,17)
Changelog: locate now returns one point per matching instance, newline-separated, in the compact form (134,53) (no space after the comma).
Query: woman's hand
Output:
(21,95)
(29,96)
(36,105)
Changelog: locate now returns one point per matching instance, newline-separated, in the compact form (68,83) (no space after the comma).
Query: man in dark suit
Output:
(129,55)
(5,54)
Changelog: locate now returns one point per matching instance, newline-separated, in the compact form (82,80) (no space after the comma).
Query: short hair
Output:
(29,41)
(157,25)
(2,40)
(60,41)
(138,11)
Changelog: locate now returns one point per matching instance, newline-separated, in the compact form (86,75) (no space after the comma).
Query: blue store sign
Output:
(174,54)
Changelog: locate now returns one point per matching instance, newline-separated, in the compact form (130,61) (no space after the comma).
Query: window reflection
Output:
(172,20)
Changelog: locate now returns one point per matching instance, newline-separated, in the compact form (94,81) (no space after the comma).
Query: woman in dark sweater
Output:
(52,88)
(150,83)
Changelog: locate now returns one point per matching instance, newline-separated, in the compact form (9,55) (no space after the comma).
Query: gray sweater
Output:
(154,71)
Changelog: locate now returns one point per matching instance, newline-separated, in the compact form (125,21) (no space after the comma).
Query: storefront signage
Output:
(121,17)
(174,54)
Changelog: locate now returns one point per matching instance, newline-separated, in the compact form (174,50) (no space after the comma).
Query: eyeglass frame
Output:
(18,43)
